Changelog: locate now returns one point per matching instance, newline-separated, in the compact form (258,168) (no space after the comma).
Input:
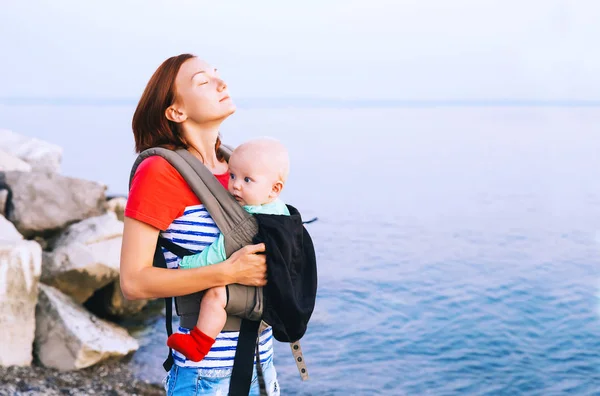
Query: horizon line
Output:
(303,101)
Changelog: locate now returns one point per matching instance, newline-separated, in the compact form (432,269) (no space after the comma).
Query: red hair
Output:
(151,128)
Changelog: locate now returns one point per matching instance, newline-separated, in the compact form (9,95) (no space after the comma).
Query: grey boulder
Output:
(67,337)
(20,268)
(40,155)
(48,202)
(85,257)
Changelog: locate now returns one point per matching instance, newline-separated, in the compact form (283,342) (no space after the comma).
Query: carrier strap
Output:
(299,358)
(237,226)
(259,372)
(159,258)
(241,377)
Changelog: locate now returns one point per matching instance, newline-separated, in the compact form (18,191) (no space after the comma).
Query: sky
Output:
(343,49)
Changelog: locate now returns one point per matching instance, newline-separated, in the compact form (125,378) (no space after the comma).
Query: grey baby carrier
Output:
(239,228)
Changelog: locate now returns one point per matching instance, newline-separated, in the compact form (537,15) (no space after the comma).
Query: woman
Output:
(183,106)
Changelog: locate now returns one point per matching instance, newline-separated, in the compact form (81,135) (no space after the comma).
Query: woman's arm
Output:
(140,280)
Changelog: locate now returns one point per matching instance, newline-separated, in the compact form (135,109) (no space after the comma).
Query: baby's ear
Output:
(276,190)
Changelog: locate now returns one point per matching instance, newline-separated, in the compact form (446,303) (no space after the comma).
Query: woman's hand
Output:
(249,268)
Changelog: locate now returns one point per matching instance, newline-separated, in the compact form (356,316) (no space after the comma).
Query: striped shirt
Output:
(159,196)
(194,231)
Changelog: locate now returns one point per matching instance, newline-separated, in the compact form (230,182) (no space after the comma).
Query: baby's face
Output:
(251,182)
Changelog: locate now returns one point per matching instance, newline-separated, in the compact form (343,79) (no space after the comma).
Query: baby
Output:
(258,171)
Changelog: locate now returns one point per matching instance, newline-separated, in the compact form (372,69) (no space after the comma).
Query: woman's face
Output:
(201,95)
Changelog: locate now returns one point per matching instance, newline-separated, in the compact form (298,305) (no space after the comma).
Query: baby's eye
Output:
(231,176)
(247,179)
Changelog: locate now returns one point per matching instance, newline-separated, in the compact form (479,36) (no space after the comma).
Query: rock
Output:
(117,205)
(46,202)
(67,337)
(20,268)
(9,162)
(40,155)
(110,302)
(43,242)
(3,197)
(85,258)
(8,232)
(5,194)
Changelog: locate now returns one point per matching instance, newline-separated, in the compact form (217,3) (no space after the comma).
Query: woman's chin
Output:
(227,106)
(231,107)
(220,115)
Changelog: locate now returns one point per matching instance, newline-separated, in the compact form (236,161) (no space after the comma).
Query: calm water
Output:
(458,248)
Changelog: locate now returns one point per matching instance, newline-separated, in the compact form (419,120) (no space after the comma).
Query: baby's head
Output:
(259,169)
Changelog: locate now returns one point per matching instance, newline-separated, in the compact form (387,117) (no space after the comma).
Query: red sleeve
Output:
(158,194)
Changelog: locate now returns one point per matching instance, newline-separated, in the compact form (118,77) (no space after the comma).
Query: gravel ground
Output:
(108,378)
(113,377)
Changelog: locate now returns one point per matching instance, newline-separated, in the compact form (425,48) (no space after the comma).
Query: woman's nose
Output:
(221,85)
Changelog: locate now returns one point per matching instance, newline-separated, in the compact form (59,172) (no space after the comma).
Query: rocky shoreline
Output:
(111,377)
(60,299)
(114,376)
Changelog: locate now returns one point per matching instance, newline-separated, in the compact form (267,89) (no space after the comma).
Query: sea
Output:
(458,244)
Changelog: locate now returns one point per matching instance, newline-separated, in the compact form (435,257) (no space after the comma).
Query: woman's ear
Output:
(174,114)
(276,190)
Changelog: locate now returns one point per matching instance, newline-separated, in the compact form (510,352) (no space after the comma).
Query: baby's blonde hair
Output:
(271,152)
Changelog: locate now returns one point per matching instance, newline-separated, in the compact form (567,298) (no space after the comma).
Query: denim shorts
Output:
(191,381)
